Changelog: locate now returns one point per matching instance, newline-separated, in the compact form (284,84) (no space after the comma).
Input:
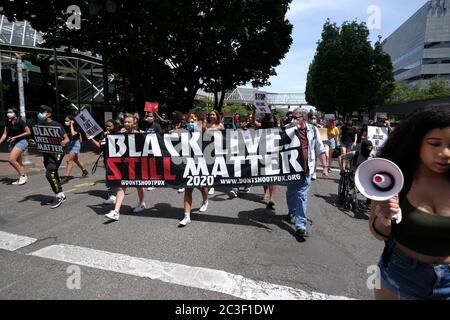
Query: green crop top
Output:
(422,232)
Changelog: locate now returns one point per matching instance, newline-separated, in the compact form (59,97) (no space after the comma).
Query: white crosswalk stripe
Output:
(202,278)
(12,242)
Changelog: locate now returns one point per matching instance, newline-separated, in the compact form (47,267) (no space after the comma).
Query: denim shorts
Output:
(347,145)
(74,146)
(411,279)
(21,144)
(331,143)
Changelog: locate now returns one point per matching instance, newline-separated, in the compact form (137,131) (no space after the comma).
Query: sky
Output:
(308,18)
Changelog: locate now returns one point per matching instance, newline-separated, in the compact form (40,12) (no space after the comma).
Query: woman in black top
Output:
(73,149)
(16,133)
(416,261)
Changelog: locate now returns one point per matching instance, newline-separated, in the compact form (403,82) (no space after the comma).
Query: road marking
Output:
(12,242)
(195,277)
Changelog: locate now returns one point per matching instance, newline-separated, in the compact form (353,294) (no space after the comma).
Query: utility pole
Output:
(2,97)
(26,160)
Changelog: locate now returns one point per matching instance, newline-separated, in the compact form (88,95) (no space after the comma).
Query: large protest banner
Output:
(185,159)
(378,137)
(88,124)
(48,139)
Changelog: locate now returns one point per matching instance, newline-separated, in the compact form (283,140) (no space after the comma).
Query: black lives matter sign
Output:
(48,139)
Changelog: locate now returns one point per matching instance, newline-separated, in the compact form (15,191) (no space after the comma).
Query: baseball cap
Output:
(46,108)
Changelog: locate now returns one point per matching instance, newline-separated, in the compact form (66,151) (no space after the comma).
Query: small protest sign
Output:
(378,137)
(88,124)
(260,102)
(151,107)
(48,139)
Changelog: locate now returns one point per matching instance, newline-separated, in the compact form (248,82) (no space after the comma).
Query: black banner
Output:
(196,159)
(48,139)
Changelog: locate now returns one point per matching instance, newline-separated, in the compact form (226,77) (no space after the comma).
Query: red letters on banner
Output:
(147,166)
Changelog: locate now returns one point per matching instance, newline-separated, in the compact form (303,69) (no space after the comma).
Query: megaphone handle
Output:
(397,218)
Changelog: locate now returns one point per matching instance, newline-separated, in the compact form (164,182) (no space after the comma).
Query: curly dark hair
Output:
(403,145)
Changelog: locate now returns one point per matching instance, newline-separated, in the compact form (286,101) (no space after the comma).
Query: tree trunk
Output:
(222,99)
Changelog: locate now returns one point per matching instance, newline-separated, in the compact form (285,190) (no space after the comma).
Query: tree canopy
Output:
(166,51)
(348,74)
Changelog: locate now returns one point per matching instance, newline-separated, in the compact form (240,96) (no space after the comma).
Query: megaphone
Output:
(379,180)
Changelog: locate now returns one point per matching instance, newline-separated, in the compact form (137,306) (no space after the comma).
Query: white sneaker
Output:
(141,207)
(150,189)
(181,190)
(211,191)
(246,190)
(233,194)
(113,215)
(111,200)
(185,221)
(314,177)
(204,207)
(22,180)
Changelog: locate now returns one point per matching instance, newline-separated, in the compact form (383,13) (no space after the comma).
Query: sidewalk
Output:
(88,156)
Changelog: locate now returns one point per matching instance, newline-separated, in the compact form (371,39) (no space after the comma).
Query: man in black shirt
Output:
(53,161)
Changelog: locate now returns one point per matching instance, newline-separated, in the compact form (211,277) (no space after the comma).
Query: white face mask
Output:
(67,123)
(10,115)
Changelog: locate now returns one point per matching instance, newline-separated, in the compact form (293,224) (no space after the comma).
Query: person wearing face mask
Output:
(192,125)
(100,142)
(73,149)
(52,162)
(150,125)
(16,132)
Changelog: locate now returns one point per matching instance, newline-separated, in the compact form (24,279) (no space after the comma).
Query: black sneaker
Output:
(271,205)
(85,173)
(58,202)
(290,218)
(302,233)
(64,180)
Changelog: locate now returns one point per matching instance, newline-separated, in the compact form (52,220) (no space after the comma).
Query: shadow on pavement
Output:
(7,181)
(96,193)
(333,200)
(43,199)
(166,211)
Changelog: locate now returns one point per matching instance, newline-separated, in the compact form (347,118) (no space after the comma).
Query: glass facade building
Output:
(420,47)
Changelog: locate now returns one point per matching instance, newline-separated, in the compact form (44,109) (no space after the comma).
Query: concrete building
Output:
(420,47)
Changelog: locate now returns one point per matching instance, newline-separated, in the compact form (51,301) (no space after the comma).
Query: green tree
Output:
(347,73)
(403,92)
(168,50)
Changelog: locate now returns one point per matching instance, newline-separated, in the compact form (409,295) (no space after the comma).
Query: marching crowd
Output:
(415,262)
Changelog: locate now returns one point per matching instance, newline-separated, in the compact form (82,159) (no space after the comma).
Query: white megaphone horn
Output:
(379,180)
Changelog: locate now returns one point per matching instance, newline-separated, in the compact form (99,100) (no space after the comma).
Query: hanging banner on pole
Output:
(260,102)
(88,124)
(151,107)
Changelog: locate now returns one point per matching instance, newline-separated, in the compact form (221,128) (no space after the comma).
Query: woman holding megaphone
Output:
(415,263)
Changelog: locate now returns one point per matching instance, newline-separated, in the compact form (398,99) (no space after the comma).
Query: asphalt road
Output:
(237,236)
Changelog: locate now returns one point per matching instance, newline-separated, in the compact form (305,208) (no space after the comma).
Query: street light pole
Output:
(26,160)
